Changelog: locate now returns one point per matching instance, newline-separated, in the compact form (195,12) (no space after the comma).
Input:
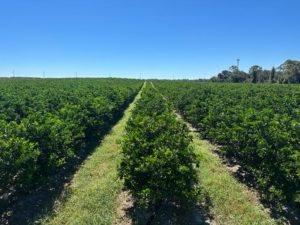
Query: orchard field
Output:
(46,124)
(258,126)
(157,152)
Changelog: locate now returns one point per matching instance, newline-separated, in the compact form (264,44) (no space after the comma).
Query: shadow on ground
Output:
(168,214)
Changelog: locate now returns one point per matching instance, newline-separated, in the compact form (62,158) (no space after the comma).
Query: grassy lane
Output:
(229,201)
(91,197)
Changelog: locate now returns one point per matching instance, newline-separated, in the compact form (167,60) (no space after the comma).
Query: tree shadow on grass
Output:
(169,213)
(26,208)
(287,213)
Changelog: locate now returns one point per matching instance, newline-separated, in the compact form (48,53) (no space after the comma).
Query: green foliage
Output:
(158,162)
(18,156)
(290,71)
(257,125)
(46,123)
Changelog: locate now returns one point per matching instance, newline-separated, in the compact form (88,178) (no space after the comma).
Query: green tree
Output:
(290,70)
(254,73)
(225,76)
(272,75)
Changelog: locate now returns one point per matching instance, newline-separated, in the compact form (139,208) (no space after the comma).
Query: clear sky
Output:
(154,38)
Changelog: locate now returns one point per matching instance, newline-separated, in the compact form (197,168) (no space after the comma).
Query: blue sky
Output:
(151,38)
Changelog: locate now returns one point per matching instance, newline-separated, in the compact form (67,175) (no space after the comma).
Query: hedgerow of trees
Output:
(158,163)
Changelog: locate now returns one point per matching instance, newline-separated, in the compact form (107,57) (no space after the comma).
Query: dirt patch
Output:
(190,126)
(125,203)
(233,168)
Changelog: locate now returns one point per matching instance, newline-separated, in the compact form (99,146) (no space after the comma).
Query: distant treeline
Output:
(286,73)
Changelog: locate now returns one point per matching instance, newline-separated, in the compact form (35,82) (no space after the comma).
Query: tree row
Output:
(158,164)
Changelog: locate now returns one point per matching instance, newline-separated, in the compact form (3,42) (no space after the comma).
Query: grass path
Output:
(91,197)
(229,201)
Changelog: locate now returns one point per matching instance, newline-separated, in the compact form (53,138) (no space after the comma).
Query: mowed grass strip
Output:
(230,201)
(91,197)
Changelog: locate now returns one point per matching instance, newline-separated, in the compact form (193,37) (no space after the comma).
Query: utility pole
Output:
(13,73)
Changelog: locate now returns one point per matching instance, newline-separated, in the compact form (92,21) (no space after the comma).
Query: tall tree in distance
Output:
(290,70)
(272,75)
(254,73)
